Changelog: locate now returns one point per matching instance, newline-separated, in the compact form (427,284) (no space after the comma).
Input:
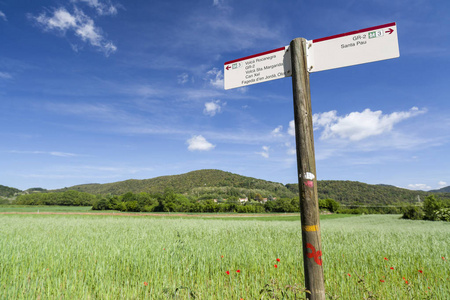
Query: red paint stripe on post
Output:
(352,32)
(254,55)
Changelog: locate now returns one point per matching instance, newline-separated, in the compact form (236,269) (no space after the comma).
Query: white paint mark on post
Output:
(309,176)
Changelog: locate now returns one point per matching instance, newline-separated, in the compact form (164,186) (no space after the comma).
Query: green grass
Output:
(225,216)
(44,208)
(112,257)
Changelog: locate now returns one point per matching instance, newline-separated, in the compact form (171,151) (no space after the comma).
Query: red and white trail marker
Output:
(353,48)
(257,68)
(337,51)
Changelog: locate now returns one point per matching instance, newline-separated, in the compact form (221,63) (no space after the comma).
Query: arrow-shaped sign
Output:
(353,48)
(228,67)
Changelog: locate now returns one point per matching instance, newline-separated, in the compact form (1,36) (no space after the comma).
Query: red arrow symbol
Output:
(390,31)
(228,67)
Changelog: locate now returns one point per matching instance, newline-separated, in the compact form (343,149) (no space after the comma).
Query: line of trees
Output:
(67,198)
(433,209)
(168,201)
(172,202)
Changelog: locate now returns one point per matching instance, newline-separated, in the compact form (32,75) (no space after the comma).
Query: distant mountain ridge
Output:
(442,190)
(212,183)
(195,183)
(221,183)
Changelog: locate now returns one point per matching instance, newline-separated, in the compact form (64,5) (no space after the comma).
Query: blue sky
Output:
(97,91)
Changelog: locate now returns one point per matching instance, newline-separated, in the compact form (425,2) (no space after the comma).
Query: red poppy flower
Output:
(443,258)
(238,271)
(386,258)
(145,283)
(221,256)
(349,274)
(381,280)
(228,272)
(275,266)
(392,268)
(420,271)
(278,259)
(403,278)
(406,281)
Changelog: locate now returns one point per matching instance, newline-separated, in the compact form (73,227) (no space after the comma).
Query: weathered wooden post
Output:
(337,51)
(306,169)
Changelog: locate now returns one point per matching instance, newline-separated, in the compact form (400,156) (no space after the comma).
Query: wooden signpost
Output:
(299,59)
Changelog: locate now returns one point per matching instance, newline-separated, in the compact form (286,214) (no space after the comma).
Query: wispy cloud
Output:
(277,132)
(52,153)
(291,129)
(5,75)
(183,78)
(102,7)
(99,111)
(265,152)
(213,107)
(221,32)
(78,23)
(3,16)
(419,186)
(215,78)
(442,184)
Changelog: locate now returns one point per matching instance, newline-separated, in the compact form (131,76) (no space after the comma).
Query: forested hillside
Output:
(358,193)
(203,182)
(226,186)
(7,192)
(443,190)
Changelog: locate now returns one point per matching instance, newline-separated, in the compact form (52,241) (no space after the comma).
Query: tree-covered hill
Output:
(358,193)
(216,184)
(442,190)
(7,192)
(201,182)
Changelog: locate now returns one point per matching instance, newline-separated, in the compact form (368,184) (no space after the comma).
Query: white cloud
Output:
(78,23)
(199,143)
(183,78)
(419,186)
(324,119)
(265,152)
(442,184)
(52,153)
(213,107)
(106,8)
(277,131)
(360,125)
(4,75)
(3,16)
(290,149)
(291,129)
(215,78)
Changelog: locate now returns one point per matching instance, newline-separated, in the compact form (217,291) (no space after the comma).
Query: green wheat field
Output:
(148,257)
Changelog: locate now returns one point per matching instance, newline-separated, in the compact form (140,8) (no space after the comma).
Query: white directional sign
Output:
(353,48)
(257,68)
